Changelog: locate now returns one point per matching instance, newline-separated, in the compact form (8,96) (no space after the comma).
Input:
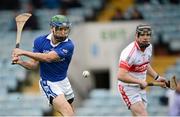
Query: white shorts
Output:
(50,90)
(132,94)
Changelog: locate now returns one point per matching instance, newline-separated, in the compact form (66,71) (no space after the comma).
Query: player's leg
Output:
(134,98)
(138,109)
(59,94)
(66,88)
(62,105)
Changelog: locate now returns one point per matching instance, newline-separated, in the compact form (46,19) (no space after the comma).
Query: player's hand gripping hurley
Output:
(172,83)
(20,21)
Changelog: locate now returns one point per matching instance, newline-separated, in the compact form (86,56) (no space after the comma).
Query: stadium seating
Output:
(12,102)
(17,104)
(102,102)
(165,21)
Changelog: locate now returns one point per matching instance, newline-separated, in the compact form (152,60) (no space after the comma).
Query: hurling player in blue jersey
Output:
(53,53)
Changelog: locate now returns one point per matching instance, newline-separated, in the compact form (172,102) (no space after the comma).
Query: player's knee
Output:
(138,110)
(63,107)
(139,113)
(66,111)
(143,113)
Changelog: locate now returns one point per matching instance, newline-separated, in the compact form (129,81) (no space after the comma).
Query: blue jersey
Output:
(57,70)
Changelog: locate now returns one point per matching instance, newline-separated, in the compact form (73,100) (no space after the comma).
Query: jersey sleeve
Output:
(65,51)
(127,58)
(36,45)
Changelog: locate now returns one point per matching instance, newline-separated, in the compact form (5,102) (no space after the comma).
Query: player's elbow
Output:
(51,57)
(121,75)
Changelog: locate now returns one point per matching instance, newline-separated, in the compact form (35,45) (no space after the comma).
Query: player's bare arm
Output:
(43,57)
(154,74)
(151,71)
(31,64)
(124,76)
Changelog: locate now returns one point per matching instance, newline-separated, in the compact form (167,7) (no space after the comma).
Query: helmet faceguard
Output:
(58,22)
(142,30)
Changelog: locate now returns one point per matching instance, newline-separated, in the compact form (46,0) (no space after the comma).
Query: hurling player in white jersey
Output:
(53,53)
(134,65)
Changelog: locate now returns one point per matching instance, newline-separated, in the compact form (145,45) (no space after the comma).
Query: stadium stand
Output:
(102,102)
(12,101)
(165,22)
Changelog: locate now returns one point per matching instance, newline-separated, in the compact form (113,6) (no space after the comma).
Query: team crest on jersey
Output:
(59,60)
(45,51)
(65,51)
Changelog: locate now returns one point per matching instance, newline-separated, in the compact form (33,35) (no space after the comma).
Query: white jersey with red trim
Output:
(135,61)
